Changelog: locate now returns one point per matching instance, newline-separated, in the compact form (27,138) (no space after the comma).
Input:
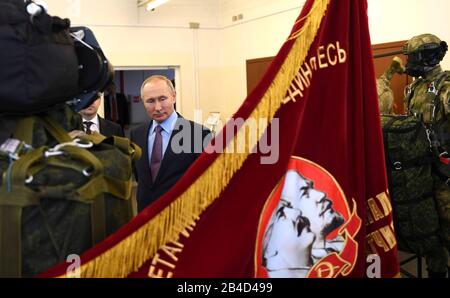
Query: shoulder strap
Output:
(438,84)
(410,93)
(14,195)
(24,129)
(55,129)
(127,147)
(124,144)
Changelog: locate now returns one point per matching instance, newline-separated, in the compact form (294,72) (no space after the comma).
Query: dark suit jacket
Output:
(173,165)
(109,128)
(122,109)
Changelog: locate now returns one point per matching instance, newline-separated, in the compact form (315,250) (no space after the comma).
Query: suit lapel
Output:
(140,137)
(107,107)
(144,144)
(101,125)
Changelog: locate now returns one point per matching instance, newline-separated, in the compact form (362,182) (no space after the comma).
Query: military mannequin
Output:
(385,94)
(429,98)
(58,196)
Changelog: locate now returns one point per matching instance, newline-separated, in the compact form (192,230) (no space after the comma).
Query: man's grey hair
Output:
(158,77)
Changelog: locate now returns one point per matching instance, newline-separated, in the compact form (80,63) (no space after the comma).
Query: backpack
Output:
(38,61)
(59,196)
(409,169)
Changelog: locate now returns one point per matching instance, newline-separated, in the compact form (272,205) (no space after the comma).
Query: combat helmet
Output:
(424,52)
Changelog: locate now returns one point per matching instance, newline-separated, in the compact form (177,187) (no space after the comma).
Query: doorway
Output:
(383,54)
(128,81)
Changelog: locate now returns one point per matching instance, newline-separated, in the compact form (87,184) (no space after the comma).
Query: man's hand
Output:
(76,134)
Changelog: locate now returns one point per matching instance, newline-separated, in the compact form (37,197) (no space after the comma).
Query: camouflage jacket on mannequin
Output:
(385,94)
(428,97)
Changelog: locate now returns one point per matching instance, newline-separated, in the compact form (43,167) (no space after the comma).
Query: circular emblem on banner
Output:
(306,228)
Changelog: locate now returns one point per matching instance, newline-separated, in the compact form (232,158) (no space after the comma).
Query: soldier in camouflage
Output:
(429,98)
(385,94)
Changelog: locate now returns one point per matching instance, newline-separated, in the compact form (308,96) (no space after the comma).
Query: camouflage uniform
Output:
(385,94)
(424,97)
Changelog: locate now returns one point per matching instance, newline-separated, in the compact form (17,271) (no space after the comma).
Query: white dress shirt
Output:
(95,126)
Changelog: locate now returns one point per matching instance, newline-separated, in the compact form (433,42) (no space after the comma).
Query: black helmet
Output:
(95,71)
(424,52)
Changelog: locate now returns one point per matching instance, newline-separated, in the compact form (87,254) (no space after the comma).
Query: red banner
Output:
(293,202)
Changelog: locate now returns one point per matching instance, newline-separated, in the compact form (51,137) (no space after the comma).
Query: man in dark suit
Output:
(170,143)
(116,107)
(92,122)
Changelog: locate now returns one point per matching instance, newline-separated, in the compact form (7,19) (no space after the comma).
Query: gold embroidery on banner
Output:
(326,267)
(133,251)
(326,57)
(377,210)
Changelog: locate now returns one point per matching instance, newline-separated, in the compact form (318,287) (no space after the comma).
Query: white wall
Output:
(134,37)
(130,36)
(254,39)
(402,19)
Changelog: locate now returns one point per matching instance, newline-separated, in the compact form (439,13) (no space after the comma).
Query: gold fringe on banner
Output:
(131,253)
